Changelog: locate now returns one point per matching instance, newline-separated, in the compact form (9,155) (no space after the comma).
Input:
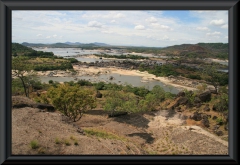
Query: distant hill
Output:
(200,50)
(65,45)
(19,49)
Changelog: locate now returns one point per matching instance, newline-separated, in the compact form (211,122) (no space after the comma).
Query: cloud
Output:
(214,34)
(48,37)
(39,35)
(139,27)
(158,26)
(217,22)
(119,15)
(226,37)
(165,37)
(113,21)
(107,32)
(202,28)
(95,24)
(152,20)
(224,26)
(54,36)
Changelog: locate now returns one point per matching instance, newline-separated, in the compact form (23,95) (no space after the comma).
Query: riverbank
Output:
(180,83)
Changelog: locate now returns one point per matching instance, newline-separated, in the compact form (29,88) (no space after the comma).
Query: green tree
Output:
(22,71)
(118,101)
(72,101)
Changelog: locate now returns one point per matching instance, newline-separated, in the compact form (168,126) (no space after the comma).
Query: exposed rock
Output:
(215,128)
(226,127)
(182,101)
(219,133)
(206,108)
(214,108)
(197,100)
(98,95)
(198,105)
(49,107)
(196,116)
(205,96)
(178,109)
(189,105)
(205,122)
(181,94)
(79,130)
(214,117)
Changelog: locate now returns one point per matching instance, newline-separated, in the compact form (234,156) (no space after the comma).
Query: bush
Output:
(99,86)
(34,144)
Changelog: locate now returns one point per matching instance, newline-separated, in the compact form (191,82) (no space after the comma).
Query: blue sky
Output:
(136,28)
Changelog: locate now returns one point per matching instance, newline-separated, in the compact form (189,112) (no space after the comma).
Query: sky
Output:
(151,28)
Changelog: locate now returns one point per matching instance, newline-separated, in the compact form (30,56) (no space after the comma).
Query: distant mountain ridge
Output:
(65,44)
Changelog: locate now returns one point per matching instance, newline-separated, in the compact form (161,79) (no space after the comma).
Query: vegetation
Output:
(102,134)
(72,101)
(117,101)
(34,144)
(129,56)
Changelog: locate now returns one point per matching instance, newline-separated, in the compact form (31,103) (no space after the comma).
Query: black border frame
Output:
(6,6)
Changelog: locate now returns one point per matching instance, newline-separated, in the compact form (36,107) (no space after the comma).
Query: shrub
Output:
(34,144)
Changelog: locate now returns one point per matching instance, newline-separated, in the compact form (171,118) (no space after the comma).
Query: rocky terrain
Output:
(38,129)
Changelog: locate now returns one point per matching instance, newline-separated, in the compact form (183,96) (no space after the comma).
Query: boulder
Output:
(219,133)
(182,101)
(226,127)
(196,116)
(98,95)
(198,105)
(205,122)
(197,100)
(206,108)
(214,117)
(205,96)
(48,107)
(181,94)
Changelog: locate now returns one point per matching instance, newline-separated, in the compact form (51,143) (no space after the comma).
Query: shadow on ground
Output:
(146,136)
(137,120)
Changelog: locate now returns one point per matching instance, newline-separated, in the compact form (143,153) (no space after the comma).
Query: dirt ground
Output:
(160,132)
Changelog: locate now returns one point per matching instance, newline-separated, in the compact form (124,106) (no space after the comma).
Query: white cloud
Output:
(119,15)
(107,32)
(217,22)
(95,24)
(158,26)
(214,34)
(152,20)
(39,35)
(165,37)
(226,37)
(48,37)
(202,28)
(224,26)
(139,27)
(54,36)
(113,21)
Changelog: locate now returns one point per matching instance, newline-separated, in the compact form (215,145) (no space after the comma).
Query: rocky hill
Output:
(163,132)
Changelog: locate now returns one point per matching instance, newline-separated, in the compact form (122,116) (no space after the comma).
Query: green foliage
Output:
(129,56)
(194,76)
(118,101)
(72,101)
(190,95)
(102,134)
(99,85)
(34,144)
(73,60)
(153,99)
(84,83)
(219,121)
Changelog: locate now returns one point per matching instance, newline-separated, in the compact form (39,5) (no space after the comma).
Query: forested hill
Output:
(18,49)
(200,50)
